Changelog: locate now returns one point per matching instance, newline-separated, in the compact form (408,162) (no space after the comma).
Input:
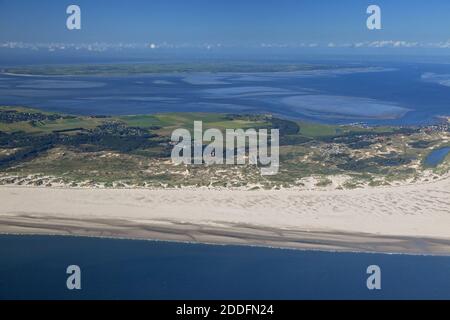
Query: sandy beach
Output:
(404,219)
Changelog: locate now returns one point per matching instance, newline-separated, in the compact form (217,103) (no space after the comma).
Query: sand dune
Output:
(409,218)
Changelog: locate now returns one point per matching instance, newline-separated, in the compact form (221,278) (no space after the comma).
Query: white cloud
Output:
(100,46)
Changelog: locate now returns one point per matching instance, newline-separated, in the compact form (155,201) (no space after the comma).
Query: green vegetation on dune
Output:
(135,150)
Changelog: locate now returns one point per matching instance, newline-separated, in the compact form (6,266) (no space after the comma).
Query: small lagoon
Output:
(437,156)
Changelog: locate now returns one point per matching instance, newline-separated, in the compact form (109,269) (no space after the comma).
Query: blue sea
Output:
(34,267)
(376,93)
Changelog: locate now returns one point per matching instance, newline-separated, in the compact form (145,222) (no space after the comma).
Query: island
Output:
(350,187)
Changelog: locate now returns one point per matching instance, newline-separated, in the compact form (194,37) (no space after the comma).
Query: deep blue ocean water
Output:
(34,267)
(382,93)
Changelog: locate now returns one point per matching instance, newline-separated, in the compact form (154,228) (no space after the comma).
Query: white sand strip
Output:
(406,213)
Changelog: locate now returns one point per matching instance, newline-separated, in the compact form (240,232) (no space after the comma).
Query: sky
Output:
(234,23)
